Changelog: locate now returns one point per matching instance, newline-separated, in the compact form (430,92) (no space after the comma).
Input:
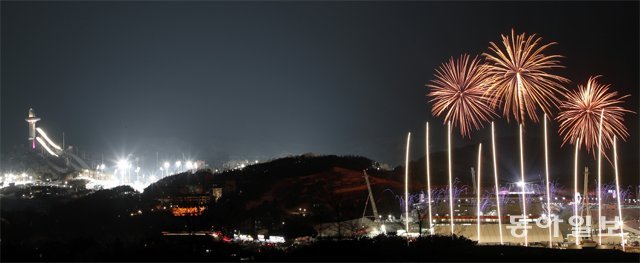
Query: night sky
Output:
(220,81)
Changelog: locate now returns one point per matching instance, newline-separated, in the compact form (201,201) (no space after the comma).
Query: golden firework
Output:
(521,81)
(458,89)
(579,115)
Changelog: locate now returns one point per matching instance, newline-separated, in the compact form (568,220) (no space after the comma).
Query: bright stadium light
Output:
(189,165)
(166,165)
(123,164)
(520,184)
(178,164)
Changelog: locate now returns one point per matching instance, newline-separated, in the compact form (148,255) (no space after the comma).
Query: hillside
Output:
(325,185)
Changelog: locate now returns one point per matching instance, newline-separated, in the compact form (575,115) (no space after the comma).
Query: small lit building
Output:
(187,211)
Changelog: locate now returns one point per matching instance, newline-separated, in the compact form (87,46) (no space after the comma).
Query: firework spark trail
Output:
(409,202)
(428,181)
(546,170)
(436,195)
(575,192)
(458,92)
(479,191)
(600,180)
(457,191)
(504,194)
(620,222)
(520,79)
(406,187)
(606,188)
(554,189)
(524,198)
(521,84)
(486,200)
(450,182)
(579,115)
(495,178)
(624,194)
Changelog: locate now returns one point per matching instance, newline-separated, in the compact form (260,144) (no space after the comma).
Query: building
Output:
(32,119)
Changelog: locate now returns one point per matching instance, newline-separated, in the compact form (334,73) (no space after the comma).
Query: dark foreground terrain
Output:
(71,223)
(193,248)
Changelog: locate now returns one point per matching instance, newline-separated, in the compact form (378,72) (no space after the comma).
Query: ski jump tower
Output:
(32,119)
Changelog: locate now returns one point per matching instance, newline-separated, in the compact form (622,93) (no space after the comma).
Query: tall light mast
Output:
(373,201)
(32,119)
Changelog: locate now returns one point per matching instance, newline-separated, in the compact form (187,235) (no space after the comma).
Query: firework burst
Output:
(458,89)
(520,78)
(579,115)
